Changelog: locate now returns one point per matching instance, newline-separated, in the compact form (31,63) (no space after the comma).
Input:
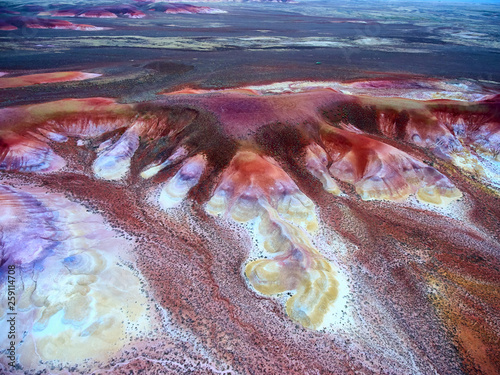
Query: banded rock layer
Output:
(265,219)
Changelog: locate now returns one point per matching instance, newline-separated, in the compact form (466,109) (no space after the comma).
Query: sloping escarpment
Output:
(254,218)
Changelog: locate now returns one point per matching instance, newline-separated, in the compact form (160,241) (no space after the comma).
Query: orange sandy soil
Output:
(36,79)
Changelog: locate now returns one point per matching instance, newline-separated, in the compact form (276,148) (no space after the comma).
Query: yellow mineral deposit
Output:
(438,196)
(256,188)
(83,302)
(296,266)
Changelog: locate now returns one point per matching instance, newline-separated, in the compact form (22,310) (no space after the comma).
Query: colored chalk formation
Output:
(76,297)
(35,17)
(251,179)
(234,213)
(249,187)
(15,23)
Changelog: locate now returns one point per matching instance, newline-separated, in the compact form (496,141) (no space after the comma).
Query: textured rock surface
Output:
(253,231)
(76,297)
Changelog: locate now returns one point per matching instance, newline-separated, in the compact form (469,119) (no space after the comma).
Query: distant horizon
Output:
(497,2)
(491,2)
